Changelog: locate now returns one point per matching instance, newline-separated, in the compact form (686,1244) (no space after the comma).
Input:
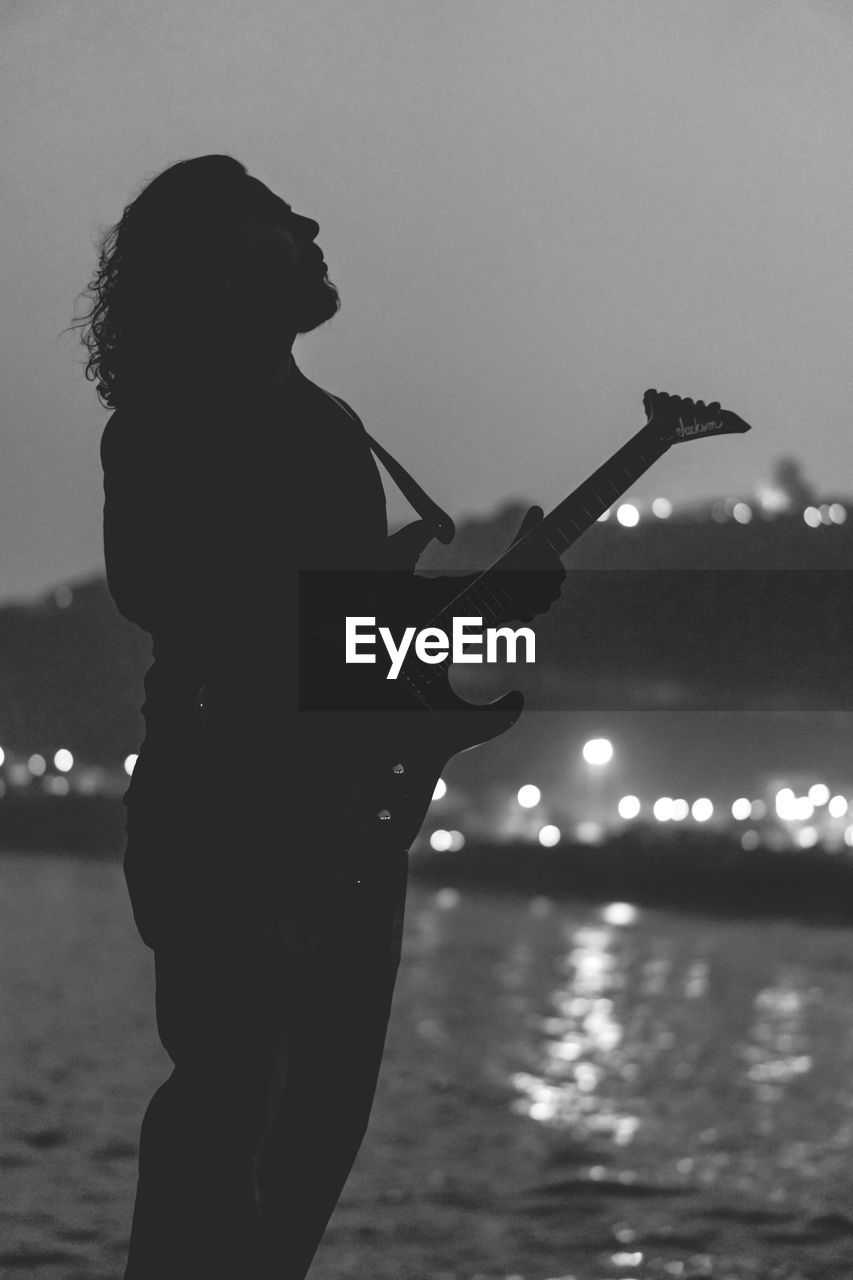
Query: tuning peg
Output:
(650,400)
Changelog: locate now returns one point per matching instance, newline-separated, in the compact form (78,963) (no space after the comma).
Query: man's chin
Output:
(319,307)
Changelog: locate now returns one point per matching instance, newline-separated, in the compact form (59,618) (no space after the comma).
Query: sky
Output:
(534,210)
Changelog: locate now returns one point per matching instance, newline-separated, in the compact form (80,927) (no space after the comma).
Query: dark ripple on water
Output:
(565,1093)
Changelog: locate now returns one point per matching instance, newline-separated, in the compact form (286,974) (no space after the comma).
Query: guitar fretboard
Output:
(487,598)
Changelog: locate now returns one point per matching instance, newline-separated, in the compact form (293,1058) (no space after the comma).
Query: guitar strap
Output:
(422,503)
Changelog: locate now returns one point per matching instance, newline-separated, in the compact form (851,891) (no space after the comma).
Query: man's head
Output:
(207,278)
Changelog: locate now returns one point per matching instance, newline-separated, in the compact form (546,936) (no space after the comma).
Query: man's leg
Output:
(333,1068)
(196,1212)
(277,1037)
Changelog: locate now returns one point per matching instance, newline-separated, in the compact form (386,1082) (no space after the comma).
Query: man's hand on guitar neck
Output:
(531,573)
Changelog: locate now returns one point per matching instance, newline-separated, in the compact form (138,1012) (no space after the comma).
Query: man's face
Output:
(286,273)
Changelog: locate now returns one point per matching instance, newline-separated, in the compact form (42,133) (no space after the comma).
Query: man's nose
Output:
(308,227)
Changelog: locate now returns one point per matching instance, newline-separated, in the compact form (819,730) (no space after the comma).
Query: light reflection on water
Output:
(582,1045)
(567,1092)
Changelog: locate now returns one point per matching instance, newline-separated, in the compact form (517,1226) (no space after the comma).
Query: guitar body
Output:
(363,752)
(367,751)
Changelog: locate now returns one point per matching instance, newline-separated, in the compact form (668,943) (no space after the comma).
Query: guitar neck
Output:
(486,598)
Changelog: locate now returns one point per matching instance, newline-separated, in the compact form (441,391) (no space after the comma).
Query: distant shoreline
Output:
(704,871)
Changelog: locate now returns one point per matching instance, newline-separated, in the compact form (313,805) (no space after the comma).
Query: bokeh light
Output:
(619,913)
(529,796)
(791,808)
(590,832)
(598,751)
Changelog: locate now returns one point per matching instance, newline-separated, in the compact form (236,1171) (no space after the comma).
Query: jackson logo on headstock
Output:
(696,428)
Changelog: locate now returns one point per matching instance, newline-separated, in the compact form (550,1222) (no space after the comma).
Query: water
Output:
(565,1093)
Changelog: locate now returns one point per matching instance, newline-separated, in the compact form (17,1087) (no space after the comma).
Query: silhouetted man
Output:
(226,473)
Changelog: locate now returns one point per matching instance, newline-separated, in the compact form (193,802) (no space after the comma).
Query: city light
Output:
(628,807)
(36,765)
(457,841)
(662,809)
(130,762)
(2,755)
(702,809)
(628,515)
(605,516)
(529,796)
(848,836)
(619,913)
(838,807)
(680,810)
(791,808)
(807,837)
(441,840)
(741,809)
(837,513)
(773,500)
(742,512)
(811,515)
(440,790)
(590,832)
(750,840)
(549,835)
(598,751)
(662,508)
(63,760)
(819,794)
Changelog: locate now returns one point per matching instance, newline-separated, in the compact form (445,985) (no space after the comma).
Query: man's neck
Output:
(284,368)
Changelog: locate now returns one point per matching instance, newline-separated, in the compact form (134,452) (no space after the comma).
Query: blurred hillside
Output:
(703,609)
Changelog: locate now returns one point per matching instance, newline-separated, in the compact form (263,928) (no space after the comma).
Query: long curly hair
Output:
(160,309)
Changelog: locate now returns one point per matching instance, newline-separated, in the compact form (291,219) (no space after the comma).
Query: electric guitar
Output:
(369,749)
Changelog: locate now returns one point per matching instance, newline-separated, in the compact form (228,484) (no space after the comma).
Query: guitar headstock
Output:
(677,418)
